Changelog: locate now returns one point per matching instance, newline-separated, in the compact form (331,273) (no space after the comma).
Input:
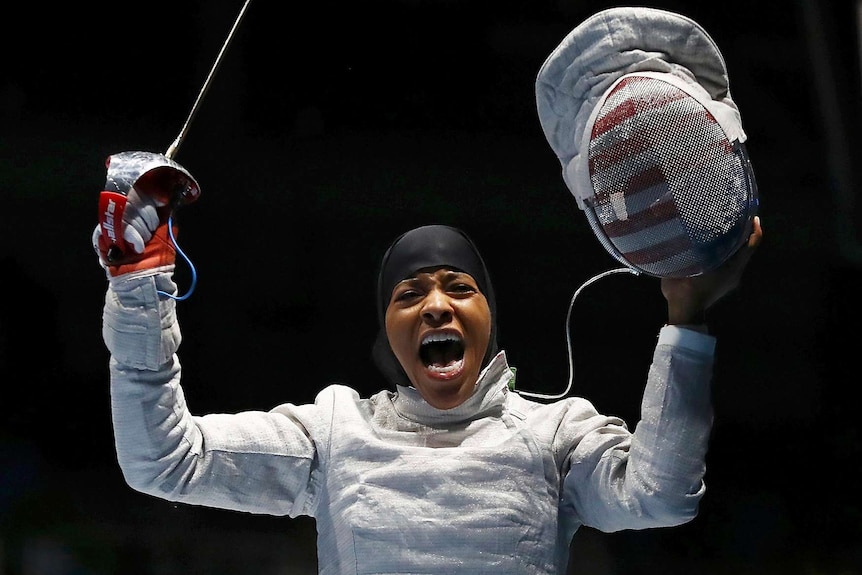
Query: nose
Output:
(437,309)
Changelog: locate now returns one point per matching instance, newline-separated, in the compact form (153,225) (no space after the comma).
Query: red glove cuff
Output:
(158,252)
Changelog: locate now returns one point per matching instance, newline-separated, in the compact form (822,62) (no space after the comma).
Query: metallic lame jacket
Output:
(496,485)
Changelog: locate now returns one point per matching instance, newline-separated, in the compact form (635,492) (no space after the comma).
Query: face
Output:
(439,325)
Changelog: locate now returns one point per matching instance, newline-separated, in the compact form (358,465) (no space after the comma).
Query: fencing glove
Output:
(141,190)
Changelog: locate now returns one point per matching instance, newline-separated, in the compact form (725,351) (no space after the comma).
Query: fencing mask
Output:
(635,103)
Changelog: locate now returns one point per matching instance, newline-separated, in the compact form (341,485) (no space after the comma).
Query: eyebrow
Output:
(450,274)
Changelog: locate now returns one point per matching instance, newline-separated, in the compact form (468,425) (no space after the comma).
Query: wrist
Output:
(128,278)
(686,317)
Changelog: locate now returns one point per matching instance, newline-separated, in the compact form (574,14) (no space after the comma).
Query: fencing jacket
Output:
(496,485)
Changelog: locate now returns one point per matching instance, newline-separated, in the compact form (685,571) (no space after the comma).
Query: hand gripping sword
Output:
(152,173)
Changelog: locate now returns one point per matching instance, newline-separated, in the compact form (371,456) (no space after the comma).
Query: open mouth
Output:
(442,353)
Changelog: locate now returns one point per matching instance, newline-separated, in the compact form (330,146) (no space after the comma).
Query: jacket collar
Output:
(488,398)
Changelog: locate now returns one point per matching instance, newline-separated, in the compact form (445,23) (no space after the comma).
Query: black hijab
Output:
(426,247)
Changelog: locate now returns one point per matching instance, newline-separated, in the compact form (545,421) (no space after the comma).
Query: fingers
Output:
(687,295)
(756,234)
(141,218)
(132,234)
(731,273)
(740,260)
(134,238)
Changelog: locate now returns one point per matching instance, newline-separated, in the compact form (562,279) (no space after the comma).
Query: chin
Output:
(445,392)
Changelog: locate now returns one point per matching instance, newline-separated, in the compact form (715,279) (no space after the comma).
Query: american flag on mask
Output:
(668,184)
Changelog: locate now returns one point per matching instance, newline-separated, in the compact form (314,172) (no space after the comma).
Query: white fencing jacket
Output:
(496,485)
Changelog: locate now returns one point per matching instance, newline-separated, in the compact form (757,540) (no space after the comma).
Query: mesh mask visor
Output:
(672,196)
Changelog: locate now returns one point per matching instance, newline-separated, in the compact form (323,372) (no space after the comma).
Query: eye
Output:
(406,295)
(462,288)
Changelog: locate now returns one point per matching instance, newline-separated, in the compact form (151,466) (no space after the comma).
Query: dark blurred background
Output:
(331,128)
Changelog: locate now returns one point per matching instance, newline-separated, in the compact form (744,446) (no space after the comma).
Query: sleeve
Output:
(652,477)
(258,462)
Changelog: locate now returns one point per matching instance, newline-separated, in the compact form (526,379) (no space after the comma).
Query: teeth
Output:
(445,368)
(440,337)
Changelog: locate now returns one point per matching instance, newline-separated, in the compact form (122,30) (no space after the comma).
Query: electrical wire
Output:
(593,279)
(188,261)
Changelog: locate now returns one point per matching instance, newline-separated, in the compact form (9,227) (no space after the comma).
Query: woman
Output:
(445,471)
